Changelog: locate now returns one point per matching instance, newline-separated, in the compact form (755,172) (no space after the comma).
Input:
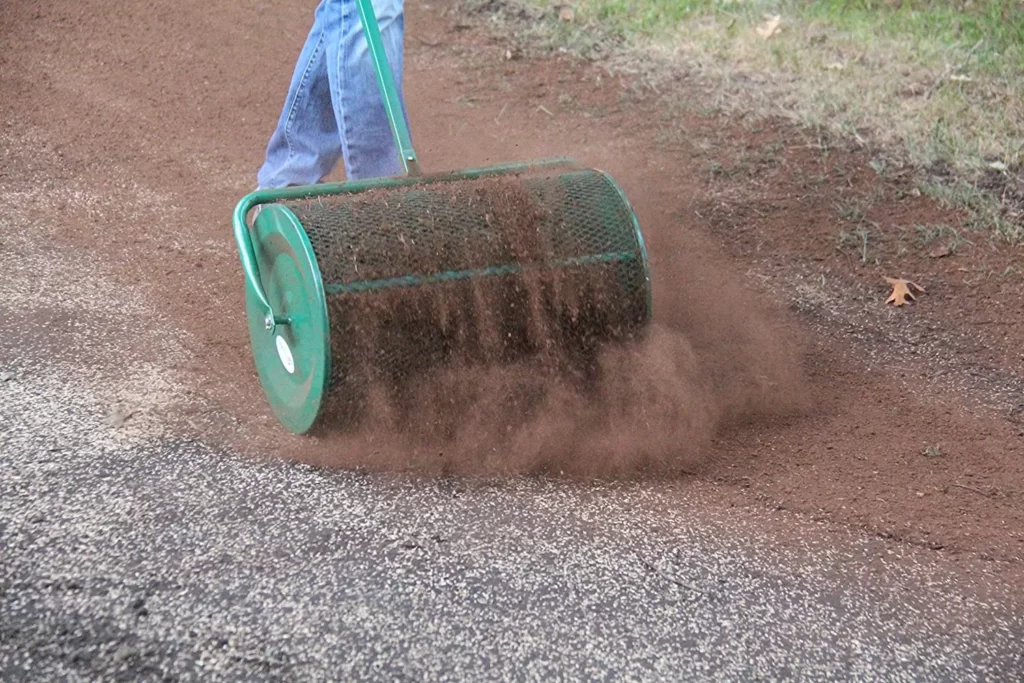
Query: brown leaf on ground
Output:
(901,291)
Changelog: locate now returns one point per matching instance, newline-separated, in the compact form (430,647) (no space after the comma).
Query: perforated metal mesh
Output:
(485,269)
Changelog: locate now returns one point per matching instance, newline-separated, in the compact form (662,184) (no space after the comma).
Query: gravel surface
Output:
(164,559)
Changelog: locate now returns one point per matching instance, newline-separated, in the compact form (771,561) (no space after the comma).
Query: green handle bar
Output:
(388,91)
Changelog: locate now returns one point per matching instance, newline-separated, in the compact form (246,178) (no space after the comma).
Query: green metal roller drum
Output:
(440,263)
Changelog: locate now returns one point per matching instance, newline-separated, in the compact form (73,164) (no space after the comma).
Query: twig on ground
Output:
(968,488)
(428,43)
(649,566)
(950,70)
(498,117)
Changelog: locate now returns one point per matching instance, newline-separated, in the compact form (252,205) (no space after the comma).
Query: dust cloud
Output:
(636,406)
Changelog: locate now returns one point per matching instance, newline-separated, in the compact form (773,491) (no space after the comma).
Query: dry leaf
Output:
(901,291)
(940,251)
(835,66)
(770,27)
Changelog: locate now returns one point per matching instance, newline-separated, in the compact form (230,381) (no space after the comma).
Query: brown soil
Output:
(908,420)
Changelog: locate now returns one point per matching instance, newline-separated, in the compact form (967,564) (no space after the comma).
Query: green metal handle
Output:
(248,254)
(388,91)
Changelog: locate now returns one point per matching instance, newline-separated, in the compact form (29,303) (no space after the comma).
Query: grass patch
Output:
(929,234)
(854,210)
(945,82)
(858,240)
(983,212)
(996,22)
(937,83)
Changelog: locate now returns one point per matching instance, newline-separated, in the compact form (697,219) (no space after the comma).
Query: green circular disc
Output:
(293,360)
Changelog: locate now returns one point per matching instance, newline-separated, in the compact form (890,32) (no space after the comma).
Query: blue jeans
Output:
(334,108)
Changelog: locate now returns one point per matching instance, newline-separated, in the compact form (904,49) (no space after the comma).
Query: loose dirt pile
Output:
(538,370)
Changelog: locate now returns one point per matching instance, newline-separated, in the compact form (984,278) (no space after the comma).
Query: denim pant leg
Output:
(305,146)
(333,108)
(366,137)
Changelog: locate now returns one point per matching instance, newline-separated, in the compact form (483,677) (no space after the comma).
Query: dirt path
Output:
(170,104)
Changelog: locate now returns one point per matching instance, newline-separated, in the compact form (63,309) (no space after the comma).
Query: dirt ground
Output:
(914,420)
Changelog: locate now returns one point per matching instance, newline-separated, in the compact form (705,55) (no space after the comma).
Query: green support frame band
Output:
(640,240)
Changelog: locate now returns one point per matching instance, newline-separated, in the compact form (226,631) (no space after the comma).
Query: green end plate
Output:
(293,361)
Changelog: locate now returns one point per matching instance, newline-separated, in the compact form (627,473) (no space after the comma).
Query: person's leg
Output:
(367,142)
(305,146)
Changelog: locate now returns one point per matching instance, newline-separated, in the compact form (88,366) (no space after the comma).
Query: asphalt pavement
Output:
(159,559)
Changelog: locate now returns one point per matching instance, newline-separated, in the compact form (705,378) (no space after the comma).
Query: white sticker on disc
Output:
(284,352)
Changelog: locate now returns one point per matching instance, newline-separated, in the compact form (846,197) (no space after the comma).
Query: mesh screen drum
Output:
(478,270)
